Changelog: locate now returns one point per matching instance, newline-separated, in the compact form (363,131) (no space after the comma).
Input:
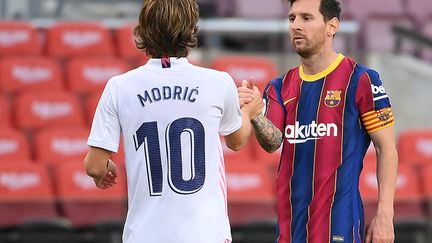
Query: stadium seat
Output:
(244,155)
(408,197)
(26,194)
(361,10)
(36,110)
(125,41)
(30,74)
(260,9)
(5,116)
(82,202)
(90,105)
(415,146)
(243,67)
(18,38)
(87,75)
(251,196)
(426,176)
(419,9)
(14,146)
(57,145)
(68,39)
(379,37)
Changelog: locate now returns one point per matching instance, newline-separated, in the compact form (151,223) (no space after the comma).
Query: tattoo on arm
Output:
(269,136)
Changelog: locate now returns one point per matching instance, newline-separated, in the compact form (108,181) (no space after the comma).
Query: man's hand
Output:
(246,92)
(381,229)
(109,180)
(250,99)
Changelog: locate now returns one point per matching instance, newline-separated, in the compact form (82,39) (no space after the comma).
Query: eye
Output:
(307,18)
(291,19)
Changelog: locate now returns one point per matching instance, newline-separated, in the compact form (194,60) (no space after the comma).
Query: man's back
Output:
(171,115)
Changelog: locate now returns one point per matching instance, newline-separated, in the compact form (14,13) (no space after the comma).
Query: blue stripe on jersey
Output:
(346,220)
(304,161)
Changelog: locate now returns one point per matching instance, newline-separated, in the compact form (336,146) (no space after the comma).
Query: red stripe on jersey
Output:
(328,160)
(284,205)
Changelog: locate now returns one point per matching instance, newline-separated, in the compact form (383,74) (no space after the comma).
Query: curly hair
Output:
(328,8)
(167,28)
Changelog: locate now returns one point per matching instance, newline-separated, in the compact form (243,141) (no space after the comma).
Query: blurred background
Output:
(57,55)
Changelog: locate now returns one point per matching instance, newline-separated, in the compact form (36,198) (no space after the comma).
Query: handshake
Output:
(250,99)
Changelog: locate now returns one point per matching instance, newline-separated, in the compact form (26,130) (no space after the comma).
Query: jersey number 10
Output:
(148,136)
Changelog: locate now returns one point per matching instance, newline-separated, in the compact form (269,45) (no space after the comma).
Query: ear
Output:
(332,26)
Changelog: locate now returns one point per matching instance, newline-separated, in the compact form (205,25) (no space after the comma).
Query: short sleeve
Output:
(373,102)
(231,119)
(274,108)
(105,131)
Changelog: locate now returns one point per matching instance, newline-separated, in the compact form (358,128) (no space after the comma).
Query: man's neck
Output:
(318,62)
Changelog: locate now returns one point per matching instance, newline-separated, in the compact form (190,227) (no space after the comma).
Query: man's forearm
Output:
(268,136)
(386,173)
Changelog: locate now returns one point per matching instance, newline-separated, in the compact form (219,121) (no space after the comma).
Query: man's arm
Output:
(381,228)
(268,136)
(100,167)
(239,138)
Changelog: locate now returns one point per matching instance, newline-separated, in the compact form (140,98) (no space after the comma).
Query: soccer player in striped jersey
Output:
(325,114)
(171,115)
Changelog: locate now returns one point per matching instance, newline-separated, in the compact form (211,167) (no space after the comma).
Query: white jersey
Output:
(171,114)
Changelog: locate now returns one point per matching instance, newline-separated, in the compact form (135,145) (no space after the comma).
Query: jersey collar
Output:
(160,62)
(322,74)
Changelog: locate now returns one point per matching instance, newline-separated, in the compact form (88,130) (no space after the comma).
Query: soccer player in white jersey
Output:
(171,115)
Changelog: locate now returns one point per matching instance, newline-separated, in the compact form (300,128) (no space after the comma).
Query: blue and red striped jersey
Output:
(326,119)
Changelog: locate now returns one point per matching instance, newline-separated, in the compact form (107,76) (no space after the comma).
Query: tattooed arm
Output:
(268,136)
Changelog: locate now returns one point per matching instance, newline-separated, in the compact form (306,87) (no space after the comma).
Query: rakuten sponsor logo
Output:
(301,133)
(82,180)
(8,146)
(68,146)
(244,181)
(79,39)
(19,180)
(29,75)
(15,37)
(100,75)
(49,110)
(378,89)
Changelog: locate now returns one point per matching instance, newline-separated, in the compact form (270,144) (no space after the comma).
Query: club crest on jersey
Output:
(383,114)
(333,98)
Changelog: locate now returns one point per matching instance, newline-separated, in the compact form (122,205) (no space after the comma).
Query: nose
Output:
(295,24)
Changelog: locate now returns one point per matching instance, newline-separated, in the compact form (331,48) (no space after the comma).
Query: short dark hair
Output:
(328,8)
(167,27)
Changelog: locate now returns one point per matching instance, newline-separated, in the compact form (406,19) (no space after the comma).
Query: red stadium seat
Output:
(415,146)
(82,202)
(244,155)
(69,39)
(14,146)
(57,145)
(18,38)
(30,73)
(91,103)
(35,110)
(408,197)
(90,74)
(5,120)
(26,194)
(126,43)
(251,196)
(243,67)
(426,175)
